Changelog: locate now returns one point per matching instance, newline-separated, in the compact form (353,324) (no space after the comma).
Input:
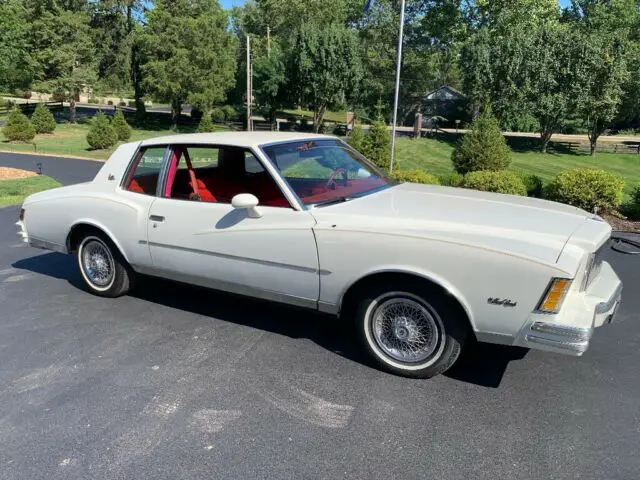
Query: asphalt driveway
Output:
(179,382)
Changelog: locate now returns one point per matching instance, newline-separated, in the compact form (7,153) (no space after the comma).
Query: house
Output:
(443,106)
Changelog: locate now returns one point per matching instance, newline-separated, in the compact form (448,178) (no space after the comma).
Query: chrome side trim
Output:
(575,348)
(237,258)
(230,287)
(46,245)
(493,337)
(327,307)
(604,307)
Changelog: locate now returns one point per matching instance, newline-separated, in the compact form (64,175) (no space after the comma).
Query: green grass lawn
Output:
(14,191)
(434,156)
(71,139)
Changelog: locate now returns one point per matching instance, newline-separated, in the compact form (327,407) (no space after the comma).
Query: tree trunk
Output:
(136,79)
(72,108)
(593,147)
(176,109)
(545,137)
(318,116)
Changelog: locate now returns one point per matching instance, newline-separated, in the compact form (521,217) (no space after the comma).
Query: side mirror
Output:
(248,202)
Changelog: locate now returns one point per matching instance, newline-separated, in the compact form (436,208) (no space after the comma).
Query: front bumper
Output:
(570,331)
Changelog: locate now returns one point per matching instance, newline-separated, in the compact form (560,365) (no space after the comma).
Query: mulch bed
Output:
(622,225)
(7,173)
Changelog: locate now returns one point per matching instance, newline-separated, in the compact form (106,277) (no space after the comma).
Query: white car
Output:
(305,220)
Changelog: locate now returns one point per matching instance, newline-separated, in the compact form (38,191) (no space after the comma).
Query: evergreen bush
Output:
(482,148)
(101,135)
(120,125)
(18,127)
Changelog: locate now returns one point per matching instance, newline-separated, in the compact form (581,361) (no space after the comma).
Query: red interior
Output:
(226,180)
(317,191)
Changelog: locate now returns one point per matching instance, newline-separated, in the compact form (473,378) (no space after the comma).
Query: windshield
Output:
(325,171)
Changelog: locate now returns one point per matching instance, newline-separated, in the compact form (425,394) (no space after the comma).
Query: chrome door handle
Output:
(156,218)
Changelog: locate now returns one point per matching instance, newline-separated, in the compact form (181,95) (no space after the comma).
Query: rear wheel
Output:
(103,268)
(409,331)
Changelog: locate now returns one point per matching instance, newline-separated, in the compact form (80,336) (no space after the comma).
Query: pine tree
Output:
(357,139)
(482,148)
(101,135)
(377,145)
(206,124)
(42,120)
(120,125)
(18,127)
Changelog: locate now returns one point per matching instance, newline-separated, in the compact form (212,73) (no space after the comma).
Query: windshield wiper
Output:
(332,201)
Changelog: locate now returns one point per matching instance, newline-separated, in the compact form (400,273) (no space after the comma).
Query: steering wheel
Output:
(331,182)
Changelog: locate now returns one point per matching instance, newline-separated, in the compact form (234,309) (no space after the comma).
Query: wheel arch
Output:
(73,235)
(350,293)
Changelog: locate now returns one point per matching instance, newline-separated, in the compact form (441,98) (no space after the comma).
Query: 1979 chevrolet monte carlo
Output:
(306,220)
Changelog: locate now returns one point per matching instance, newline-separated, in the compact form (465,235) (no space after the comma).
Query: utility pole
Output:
(249,93)
(395,103)
(268,41)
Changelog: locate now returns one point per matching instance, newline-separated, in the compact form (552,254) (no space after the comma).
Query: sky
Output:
(231,3)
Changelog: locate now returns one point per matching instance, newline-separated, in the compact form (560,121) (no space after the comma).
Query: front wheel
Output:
(104,270)
(409,331)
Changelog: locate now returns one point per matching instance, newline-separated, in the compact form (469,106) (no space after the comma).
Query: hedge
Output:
(498,182)
(587,189)
(416,176)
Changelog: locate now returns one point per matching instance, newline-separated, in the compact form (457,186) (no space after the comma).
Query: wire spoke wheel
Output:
(97,263)
(405,329)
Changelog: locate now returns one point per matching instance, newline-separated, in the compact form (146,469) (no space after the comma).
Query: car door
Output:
(213,244)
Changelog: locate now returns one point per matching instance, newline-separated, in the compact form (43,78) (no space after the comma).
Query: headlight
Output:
(554,296)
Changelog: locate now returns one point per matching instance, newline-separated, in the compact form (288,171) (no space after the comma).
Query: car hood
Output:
(524,226)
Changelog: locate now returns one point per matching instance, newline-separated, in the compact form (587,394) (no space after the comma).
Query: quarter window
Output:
(143,178)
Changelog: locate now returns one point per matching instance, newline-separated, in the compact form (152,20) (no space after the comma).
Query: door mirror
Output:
(247,202)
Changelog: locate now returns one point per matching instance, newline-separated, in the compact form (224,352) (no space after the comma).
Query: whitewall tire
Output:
(104,271)
(409,331)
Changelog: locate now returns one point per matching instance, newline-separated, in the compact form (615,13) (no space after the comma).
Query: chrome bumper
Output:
(22,231)
(570,331)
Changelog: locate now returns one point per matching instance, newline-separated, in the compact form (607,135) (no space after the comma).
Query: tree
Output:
(189,54)
(101,134)
(602,72)
(42,120)
(206,124)
(325,67)
(18,127)
(270,81)
(121,127)
(16,64)
(63,49)
(550,66)
(377,145)
(482,148)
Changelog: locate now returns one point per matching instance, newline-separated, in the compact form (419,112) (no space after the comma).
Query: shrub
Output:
(357,138)
(94,100)
(229,112)
(482,148)
(217,114)
(206,125)
(42,120)
(120,125)
(377,145)
(498,182)
(18,127)
(416,176)
(533,184)
(101,135)
(452,179)
(632,208)
(110,102)
(587,189)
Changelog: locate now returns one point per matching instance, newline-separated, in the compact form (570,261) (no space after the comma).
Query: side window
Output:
(251,164)
(216,174)
(143,178)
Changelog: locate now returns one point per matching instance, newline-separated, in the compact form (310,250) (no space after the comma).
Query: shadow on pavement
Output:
(481,364)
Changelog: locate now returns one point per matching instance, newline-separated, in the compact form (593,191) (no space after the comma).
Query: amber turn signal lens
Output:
(557,291)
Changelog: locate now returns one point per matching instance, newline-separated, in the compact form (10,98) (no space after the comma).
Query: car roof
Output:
(237,139)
